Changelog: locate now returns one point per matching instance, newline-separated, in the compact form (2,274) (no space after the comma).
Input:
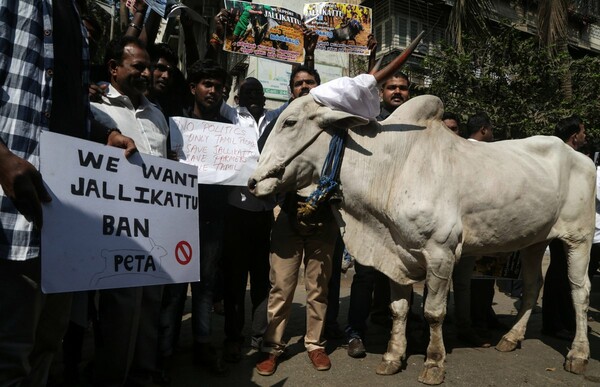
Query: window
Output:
(409,29)
(402,32)
(387,41)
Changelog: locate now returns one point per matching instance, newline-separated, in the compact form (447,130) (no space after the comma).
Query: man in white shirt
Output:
(128,317)
(125,104)
(247,233)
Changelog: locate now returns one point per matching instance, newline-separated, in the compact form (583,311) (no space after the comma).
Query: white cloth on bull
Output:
(358,95)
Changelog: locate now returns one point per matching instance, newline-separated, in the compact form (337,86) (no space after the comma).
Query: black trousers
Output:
(245,252)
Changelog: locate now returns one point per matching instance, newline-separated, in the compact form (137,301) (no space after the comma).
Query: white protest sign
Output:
(225,154)
(115,222)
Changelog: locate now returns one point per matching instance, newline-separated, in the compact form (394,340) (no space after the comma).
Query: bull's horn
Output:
(376,67)
(394,65)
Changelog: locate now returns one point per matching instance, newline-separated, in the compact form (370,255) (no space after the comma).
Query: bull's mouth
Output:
(263,187)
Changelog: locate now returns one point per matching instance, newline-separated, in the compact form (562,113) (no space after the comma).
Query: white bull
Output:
(416,197)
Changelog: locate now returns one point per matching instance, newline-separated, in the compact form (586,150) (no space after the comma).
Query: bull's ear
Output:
(339,119)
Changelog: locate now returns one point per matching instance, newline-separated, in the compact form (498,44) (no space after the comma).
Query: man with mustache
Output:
(370,292)
(128,66)
(128,317)
(394,92)
(293,241)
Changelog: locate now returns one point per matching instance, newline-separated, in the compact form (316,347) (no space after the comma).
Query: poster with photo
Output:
(341,27)
(264,31)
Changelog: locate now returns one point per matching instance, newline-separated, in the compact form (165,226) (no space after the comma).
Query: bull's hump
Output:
(417,110)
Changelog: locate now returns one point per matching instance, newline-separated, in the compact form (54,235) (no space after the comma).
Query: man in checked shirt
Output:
(43,86)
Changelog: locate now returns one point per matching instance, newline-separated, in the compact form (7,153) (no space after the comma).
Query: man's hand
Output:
(372,45)
(310,40)
(136,5)
(371,42)
(22,183)
(116,139)
(221,20)
(96,91)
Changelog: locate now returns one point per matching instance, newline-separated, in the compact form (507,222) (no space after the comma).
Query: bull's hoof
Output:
(432,375)
(506,345)
(576,366)
(388,367)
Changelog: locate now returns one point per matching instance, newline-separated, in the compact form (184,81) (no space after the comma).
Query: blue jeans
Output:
(211,246)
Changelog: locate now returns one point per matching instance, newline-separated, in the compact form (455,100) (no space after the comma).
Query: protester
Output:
(44,66)
(296,240)
(370,292)
(129,354)
(168,90)
(205,80)
(246,252)
(473,296)
(558,314)
(452,122)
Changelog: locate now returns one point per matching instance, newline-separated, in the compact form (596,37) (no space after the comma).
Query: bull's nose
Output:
(251,184)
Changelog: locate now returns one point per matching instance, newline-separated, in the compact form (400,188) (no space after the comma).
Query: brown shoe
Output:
(267,365)
(319,359)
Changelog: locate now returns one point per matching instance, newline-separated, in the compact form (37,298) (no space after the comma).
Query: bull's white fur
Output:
(416,196)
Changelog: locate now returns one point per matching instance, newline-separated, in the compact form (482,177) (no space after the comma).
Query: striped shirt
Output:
(26,73)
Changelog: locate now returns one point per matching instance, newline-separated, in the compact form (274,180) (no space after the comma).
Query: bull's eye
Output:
(288,123)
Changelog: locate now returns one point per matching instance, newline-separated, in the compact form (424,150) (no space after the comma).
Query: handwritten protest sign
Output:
(341,27)
(264,31)
(115,222)
(224,153)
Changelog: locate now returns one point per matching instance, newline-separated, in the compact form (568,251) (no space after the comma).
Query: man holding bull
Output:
(294,240)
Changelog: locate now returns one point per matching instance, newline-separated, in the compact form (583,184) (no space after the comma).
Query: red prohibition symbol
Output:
(183,252)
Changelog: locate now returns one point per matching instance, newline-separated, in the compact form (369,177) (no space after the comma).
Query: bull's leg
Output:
(438,283)
(578,257)
(396,350)
(531,269)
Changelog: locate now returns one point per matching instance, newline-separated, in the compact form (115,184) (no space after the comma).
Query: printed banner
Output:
(341,27)
(264,31)
(115,222)
(224,153)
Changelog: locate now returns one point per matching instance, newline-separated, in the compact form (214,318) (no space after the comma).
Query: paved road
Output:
(537,363)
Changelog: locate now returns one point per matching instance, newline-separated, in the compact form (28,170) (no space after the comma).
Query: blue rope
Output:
(330,172)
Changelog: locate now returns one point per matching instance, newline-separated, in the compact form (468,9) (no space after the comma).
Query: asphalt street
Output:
(538,362)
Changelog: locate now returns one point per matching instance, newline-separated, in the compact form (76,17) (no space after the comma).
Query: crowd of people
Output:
(45,86)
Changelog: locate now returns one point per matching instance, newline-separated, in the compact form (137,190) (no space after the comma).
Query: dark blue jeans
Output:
(211,247)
